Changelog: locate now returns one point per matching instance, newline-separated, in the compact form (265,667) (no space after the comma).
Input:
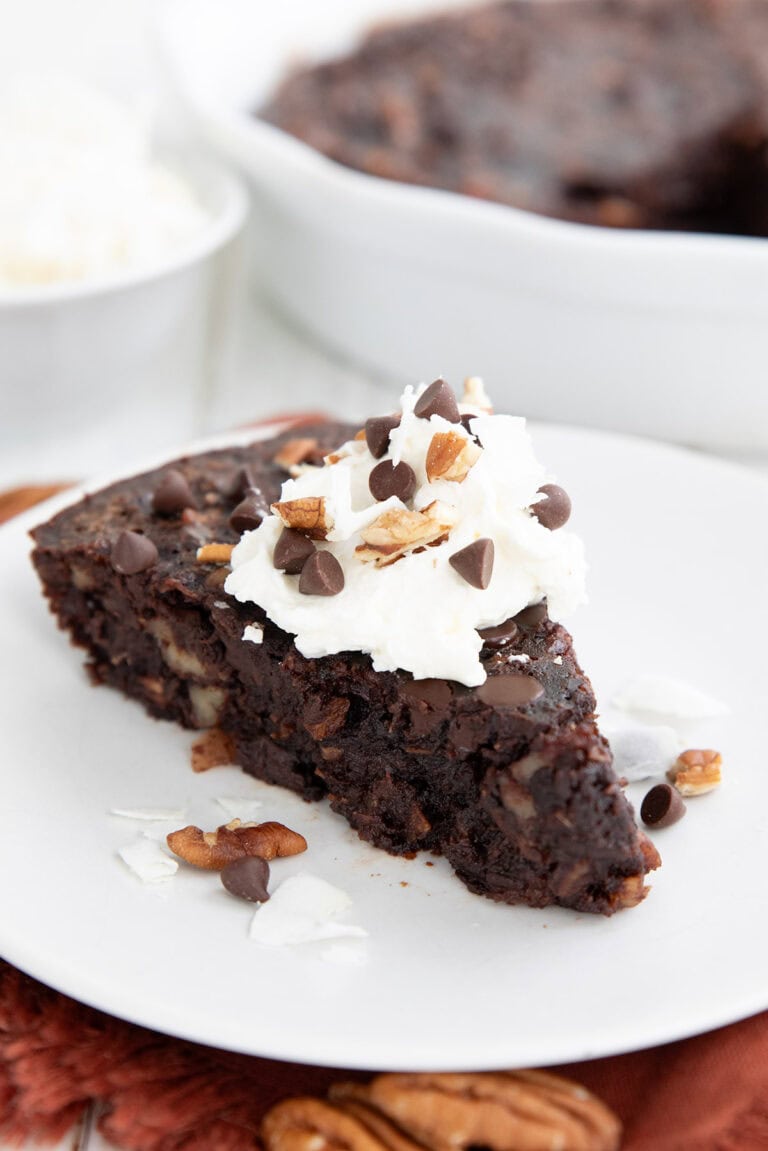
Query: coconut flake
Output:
(663,696)
(303,909)
(148,860)
(254,633)
(238,807)
(150,814)
(643,750)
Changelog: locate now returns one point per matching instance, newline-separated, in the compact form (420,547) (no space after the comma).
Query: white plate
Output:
(445,979)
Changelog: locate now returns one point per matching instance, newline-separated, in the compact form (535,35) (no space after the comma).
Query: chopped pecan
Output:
(398,531)
(450,456)
(475,395)
(696,771)
(216,748)
(524,1110)
(215,553)
(322,721)
(294,452)
(308,515)
(213,850)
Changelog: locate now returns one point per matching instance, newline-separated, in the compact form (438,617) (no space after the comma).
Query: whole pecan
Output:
(213,850)
(503,1111)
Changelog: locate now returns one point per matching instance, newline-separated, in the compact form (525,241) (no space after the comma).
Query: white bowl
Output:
(92,370)
(662,334)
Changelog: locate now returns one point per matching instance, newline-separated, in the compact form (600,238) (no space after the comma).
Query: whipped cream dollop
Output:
(410,608)
(81,195)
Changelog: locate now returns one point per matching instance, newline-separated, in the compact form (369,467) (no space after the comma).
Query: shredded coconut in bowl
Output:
(81,195)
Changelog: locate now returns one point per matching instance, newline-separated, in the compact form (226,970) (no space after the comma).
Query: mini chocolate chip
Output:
(662,806)
(500,635)
(322,574)
(474,563)
(555,510)
(250,511)
(388,479)
(292,551)
(377,431)
(530,617)
(132,552)
(512,690)
(247,878)
(172,494)
(438,400)
(242,483)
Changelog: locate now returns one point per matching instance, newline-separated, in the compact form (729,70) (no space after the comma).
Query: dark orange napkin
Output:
(159,1094)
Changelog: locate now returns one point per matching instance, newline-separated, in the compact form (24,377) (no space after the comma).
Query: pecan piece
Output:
(524,1110)
(696,771)
(308,1124)
(450,456)
(475,395)
(213,850)
(216,748)
(294,452)
(308,515)
(398,531)
(215,553)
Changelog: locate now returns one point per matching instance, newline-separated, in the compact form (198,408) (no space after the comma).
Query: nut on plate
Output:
(501,1111)
(398,531)
(450,456)
(696,771)
(308,515)
(213,850)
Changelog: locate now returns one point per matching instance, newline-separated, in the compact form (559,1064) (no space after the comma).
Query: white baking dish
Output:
(656,333)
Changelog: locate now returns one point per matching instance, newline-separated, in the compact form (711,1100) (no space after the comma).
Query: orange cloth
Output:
(709,1093)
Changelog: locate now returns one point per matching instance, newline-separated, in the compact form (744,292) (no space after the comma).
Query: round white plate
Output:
(445,979)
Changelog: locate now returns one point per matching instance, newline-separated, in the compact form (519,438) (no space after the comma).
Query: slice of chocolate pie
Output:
(379,637)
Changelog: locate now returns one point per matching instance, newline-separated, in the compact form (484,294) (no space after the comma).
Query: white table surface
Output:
(268,366)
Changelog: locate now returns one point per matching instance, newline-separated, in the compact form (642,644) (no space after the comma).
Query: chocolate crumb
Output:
(438,400)
(555,509)
(172,494)
(292,551)
(132,553)
(474,563)
(322,574)
(388,479)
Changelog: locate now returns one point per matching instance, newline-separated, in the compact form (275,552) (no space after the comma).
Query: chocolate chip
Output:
(500,635)
(555,510)
(247,878)
(250,512)
(438,400)
(377,431)
(292,551)
(388,479)
(322,574)
(435,692)
(172,494)
(242,483)
(465,421)
(530,617)
(474,563)
(512,690)
(662,806)
(132,553)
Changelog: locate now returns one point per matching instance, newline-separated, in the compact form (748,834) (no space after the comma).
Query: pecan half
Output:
(308,1124)
(308,515)
(520,1110)
(398,531)
(450,456)
(696,771)
(213,850)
